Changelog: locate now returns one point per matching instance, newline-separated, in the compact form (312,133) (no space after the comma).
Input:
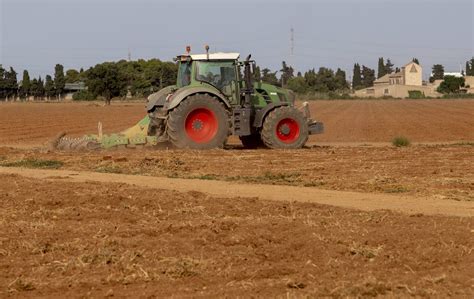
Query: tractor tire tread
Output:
(268,134)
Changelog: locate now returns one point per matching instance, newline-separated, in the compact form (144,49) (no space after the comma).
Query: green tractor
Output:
(211,101)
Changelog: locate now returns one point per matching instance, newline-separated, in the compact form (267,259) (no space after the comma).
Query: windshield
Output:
(220,74)
(184,74)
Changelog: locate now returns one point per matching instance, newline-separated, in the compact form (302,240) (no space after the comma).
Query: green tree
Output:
(106,80)
(41,90)
(311,79)
(451,84)
(25,84)
(388,67)
(356,77)
(368,76)
(437,72)
(10,83)
(381,68)
(298,84)
(59,80)
(470,67)
(257,74)
(72,76)
(3,87)
(415,60)
(269,77)
(49,87)
(340,78)
(286,73)
(37,88)
(325,80)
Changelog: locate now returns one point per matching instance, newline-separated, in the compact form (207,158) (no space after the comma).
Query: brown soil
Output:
(359,121)
(72,233)
(355,200)
(439,172)
(63,239)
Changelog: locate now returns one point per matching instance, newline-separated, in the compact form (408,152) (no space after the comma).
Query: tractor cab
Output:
(219,70)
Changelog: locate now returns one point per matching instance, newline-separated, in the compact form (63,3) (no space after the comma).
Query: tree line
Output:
(10,87)
(143,77)
(110,79)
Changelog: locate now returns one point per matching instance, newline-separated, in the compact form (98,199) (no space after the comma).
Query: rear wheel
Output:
(285,127)
(199,122)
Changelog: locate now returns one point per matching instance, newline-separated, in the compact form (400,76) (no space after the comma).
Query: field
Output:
(350,215)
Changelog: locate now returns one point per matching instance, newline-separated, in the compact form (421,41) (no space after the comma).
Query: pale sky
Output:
(37,34)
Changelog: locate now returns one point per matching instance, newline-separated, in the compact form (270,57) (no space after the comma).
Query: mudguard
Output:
(159,98)
(185,92)
(260,115)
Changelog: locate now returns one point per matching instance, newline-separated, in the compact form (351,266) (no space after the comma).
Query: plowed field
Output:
(348,216)
(345,121)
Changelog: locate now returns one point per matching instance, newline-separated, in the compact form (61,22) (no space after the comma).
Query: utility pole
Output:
(129,55)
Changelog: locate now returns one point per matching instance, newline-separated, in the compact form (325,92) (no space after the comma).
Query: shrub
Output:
(400,141)
(451,84)
(83,95)
(416,94)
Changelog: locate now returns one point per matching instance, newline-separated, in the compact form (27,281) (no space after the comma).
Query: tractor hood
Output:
(275,93)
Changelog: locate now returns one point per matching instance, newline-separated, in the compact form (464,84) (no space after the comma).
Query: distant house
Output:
(398,84)
(71,88)
(469,84)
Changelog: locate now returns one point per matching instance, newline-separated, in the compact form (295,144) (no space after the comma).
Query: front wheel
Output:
(285,128)
(199,122)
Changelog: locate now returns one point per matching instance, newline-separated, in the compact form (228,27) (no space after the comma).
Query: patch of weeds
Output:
(278,177)
(400,141)
(181,268)
(109,169)
(204,177)
(458,143)
(314,184)
(34,163)
(268,178)
(397,189)
(364,250)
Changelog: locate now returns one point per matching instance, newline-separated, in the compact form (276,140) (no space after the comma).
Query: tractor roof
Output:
(216,56)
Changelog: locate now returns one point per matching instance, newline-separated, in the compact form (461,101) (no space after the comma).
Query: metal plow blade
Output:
(131,137)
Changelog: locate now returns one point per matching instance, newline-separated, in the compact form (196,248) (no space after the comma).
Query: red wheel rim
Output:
(288,130)
(201,125)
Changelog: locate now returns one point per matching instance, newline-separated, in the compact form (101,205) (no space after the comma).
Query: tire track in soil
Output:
(345,199)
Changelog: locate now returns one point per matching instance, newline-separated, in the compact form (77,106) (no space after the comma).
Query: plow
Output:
(215,96)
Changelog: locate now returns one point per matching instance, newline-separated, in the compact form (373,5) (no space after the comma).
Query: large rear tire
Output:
(285,128)
(199,122)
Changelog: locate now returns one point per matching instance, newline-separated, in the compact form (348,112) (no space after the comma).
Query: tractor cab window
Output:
(184,74)
(219,74)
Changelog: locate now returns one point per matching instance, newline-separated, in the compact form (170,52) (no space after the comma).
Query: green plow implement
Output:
(133,137)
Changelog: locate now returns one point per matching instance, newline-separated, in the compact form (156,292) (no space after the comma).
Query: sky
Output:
(37,34)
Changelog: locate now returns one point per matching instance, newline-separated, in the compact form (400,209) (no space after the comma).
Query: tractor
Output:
(215,96)
(212,100)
